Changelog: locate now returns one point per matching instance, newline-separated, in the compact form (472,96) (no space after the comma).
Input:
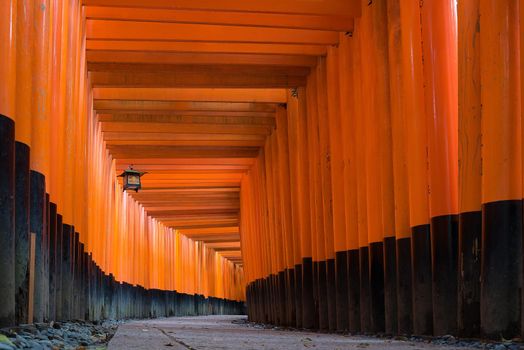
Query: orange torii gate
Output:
(336,165)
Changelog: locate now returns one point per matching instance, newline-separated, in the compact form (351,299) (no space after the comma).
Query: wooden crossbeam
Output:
(335,22)
(194,78)
(192,94)
(206,47)
(184,107)
(186,119)
(199,58)
(327,7)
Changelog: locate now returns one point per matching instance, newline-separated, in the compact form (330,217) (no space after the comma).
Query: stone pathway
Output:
(234,332)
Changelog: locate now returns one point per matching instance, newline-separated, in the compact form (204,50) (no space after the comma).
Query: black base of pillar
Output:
(308,304)
(365,293)
(298,295)
(422,288)
(331,294)
(38,226)
(404,287)
(22,201)
(290,298)
(52,261)
(470,237)
(501,269)
(7,221)
(316,296)
(341,272)
(354,290)
(444,254)
(323,320)
(282,298)
(390,284)
(376,281)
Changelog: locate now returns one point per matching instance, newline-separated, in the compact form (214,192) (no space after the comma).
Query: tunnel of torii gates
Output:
(334,165)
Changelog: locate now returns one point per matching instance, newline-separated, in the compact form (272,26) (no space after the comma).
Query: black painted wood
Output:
(323,312)
(365,293)
(470,239)
(354,290)
(331,284)
(342,297)
(404,286)
(298,295)
(7,221)
(22,202)
(390,285)
(308,303)
(376,281)
(444,254)
(422,280)
(501,269)
(38,226)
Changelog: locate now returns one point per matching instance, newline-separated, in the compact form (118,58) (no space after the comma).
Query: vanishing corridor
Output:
(342,166)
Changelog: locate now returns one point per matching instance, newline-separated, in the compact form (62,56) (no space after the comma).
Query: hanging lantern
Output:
(132,179)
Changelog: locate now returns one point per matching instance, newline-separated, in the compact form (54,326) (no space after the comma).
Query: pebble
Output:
(60,335)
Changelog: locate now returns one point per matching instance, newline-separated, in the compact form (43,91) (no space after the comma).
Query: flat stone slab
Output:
(233,332)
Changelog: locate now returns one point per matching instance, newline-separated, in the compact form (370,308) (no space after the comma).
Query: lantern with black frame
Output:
(131,179)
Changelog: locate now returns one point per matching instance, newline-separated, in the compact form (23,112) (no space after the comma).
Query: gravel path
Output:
(58,335)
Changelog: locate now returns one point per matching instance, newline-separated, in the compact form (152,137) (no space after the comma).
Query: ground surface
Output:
(233,332)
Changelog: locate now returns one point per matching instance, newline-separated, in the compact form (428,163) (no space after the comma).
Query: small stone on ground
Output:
(59,335)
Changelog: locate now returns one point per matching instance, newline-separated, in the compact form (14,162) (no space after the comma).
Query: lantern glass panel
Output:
(133,180)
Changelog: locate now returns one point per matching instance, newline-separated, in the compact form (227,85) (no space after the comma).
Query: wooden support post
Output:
(416,146)
(469,126)
(285,212)
(501,260)
(316,206)
(439,30)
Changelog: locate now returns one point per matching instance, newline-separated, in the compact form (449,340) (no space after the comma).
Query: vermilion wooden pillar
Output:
(501,270)
(416,146)
(350,171)
(470,192)
(337,188)
(326,161)
(439,36)
(399,318)
(7,159)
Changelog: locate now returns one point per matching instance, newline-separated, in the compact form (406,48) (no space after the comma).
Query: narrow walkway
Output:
(222,332)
